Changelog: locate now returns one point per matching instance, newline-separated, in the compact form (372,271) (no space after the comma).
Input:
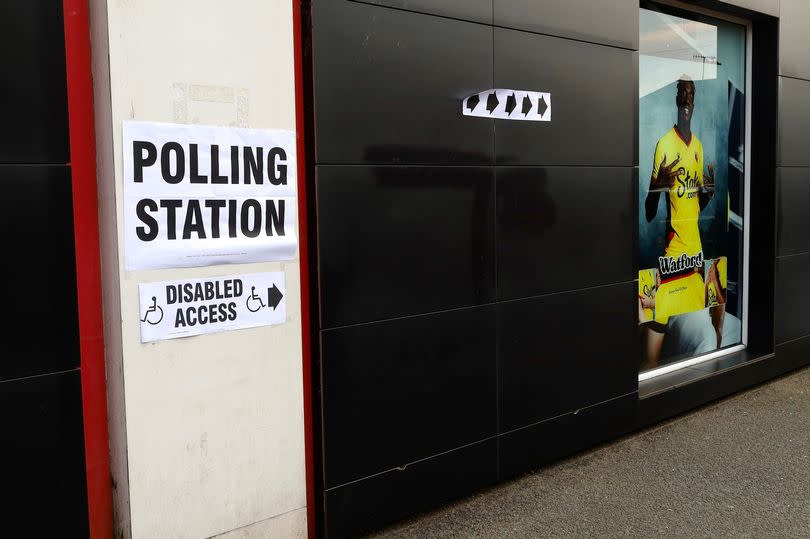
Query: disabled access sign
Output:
(183,308)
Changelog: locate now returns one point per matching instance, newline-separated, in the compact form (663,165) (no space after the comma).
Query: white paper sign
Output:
(172,309)
(504,104)
(199,195)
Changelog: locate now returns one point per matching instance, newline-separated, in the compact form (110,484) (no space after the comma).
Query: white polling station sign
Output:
(182,308)
(199,195)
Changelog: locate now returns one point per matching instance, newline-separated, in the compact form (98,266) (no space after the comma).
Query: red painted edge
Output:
(303,256)
(88,266)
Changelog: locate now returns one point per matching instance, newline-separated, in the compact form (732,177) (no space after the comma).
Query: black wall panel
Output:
(794,41)
(373,502)
(389,86)
(471,10)
(561,352)
(478,320)
(35,128)
(762,196)
(563,228)
(42,445)
(793,217)
(403,240)
(398,391)
(594,101)
(613,23)
(527,448)
(794,122)
(43,456)
(40,271)
(792,297)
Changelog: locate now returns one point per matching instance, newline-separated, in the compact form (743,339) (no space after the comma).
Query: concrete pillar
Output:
(206,432)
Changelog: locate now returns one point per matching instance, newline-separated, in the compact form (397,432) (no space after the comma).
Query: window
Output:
(693,81)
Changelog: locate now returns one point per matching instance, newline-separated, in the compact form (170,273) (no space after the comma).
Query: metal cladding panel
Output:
(402,390)
(373,502)
(792,217)
(43,448)
(614,23)
(794,40)
(396,241)
(792,297)
(545,367)
(594,101)
(794,122)
(543,242)
(469,10)
(35,118)
(40,270)
(389,86)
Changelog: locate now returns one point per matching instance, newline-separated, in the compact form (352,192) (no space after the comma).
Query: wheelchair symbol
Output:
(154,308)
(252,301)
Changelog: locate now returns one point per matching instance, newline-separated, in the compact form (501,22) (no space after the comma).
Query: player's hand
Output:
(667,173)
(642,316)
(648,302)
(708,179)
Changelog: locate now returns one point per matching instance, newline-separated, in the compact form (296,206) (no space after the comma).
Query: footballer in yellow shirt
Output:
(678,174)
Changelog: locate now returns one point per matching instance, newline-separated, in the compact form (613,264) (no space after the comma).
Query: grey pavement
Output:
(737,468)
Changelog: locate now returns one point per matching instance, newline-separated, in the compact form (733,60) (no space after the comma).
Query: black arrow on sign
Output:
(511,103)
(492,102)
(274,296)
(527,105)
(472,102)
(541,106)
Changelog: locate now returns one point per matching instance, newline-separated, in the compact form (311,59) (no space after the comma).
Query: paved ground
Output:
(737,468)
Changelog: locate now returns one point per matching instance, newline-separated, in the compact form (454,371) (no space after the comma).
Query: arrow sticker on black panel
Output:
(503,104)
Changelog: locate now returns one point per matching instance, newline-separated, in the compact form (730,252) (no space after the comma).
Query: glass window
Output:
(692,175)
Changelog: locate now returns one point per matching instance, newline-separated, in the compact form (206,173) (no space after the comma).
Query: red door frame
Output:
(303,257)
(88,266)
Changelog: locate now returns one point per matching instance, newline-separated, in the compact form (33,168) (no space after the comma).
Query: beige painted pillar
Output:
(206,432)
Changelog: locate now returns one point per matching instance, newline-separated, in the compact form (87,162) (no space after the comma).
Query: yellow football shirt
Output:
(683,205)
(680,295)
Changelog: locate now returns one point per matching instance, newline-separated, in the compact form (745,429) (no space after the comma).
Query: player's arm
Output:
(721,292)
(651,202)
(706,290)
(714,277)
(660,180)
(642,317)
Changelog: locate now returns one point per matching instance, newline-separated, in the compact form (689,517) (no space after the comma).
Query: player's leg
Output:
(652,341)
(718,314)
(732,329)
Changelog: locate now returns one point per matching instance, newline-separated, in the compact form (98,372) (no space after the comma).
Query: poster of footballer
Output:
(691,185)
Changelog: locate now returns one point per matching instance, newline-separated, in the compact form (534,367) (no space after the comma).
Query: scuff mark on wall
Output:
(210,104)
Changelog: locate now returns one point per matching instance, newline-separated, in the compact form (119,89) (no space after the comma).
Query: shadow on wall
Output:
(530,214)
